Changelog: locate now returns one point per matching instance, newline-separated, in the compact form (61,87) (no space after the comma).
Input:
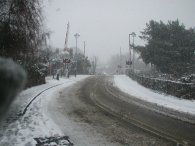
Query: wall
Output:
(179,89)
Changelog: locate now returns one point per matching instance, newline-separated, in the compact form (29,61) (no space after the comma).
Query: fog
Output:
(105,24)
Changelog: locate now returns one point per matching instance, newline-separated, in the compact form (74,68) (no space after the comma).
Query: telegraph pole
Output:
(120,61)
(84,60)
(84,48)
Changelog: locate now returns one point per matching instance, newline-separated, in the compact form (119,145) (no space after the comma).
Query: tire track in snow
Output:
(131,120)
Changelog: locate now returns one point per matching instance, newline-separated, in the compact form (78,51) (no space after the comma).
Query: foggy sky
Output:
(105,24)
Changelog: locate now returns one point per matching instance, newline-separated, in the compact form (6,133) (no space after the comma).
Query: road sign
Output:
(66,60)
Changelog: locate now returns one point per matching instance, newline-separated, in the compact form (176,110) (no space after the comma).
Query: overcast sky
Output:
(105,24)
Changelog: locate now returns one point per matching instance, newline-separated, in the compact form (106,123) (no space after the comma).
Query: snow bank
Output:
(36,121)
(127,85)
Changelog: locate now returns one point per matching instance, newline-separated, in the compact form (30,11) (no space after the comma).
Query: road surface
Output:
(103,115)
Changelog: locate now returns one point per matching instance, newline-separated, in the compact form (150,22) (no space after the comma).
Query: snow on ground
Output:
(133,88)
(36,122)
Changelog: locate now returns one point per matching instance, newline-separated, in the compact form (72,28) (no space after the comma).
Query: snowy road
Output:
(93,111)
(164,122)
(88,125)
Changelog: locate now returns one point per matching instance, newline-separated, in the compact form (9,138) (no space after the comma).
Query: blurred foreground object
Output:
(12,81)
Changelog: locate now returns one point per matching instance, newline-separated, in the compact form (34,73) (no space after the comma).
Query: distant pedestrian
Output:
(66,72)
(58,74)
(75,72)
(53,73)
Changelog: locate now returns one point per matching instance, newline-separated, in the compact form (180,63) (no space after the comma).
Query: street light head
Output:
(133,34)
(77,35)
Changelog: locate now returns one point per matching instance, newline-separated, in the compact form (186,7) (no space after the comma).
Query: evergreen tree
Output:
(83,64)
(21,34)
(20,28)
(170,47)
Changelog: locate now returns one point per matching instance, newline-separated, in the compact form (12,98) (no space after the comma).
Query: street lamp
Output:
(133,60)
(76,37)
(129,50)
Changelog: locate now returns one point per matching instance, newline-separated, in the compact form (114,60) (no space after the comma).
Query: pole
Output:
(66,38)
(84,70)
(76,37)
(129,49)
(84,48)
(133,35)
(120,62)
(76,56)
(133,55)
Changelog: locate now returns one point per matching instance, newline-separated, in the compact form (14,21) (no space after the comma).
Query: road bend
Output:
(107,97)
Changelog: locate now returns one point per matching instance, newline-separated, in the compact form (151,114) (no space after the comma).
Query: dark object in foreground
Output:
(55,141)
(12,81)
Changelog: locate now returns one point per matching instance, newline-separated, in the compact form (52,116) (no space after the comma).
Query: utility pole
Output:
(120,62)
(76,37)
(84,69)
(84,48)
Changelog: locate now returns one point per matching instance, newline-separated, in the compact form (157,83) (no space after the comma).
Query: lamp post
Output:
(129,50)
(76,37)
(133,60)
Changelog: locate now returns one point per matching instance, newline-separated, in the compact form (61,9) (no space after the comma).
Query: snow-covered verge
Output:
(21,130)
(131,87)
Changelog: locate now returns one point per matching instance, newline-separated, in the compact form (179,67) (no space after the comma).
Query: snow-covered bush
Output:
(35,73)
